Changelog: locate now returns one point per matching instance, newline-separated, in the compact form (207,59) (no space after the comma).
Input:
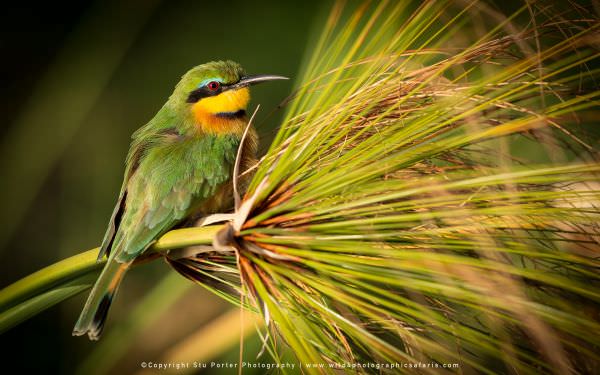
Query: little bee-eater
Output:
(179,168)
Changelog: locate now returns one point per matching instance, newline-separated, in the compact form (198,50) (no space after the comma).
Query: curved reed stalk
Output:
(69,277)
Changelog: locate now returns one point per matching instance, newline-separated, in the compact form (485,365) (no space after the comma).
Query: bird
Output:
(178,169)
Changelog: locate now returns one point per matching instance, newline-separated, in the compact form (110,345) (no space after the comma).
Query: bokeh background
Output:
(77,80)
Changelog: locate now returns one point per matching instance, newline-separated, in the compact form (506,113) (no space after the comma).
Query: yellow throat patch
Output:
(206,111)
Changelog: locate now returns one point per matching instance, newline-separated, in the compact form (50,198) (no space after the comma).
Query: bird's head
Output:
(216,95)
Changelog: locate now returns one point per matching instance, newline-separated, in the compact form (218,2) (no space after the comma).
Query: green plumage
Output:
(174,177)
(173,170)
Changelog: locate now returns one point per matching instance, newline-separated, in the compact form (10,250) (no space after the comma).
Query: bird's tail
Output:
(93,316)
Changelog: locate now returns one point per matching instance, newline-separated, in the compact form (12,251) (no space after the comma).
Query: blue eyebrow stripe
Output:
(203,83)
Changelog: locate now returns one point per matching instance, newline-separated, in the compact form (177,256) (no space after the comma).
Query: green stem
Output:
(38,303)
(46,278)
(68,277)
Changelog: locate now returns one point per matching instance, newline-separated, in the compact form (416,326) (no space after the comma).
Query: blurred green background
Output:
(78,79)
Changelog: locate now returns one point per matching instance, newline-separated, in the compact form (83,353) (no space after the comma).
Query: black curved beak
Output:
(252,80)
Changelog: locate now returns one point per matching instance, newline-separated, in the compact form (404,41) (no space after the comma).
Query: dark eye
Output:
(213,85)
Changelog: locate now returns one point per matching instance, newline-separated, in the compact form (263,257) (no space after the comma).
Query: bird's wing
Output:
(171,180)
(115,218)
(162,124)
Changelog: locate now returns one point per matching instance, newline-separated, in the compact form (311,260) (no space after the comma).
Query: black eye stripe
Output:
(202,92)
